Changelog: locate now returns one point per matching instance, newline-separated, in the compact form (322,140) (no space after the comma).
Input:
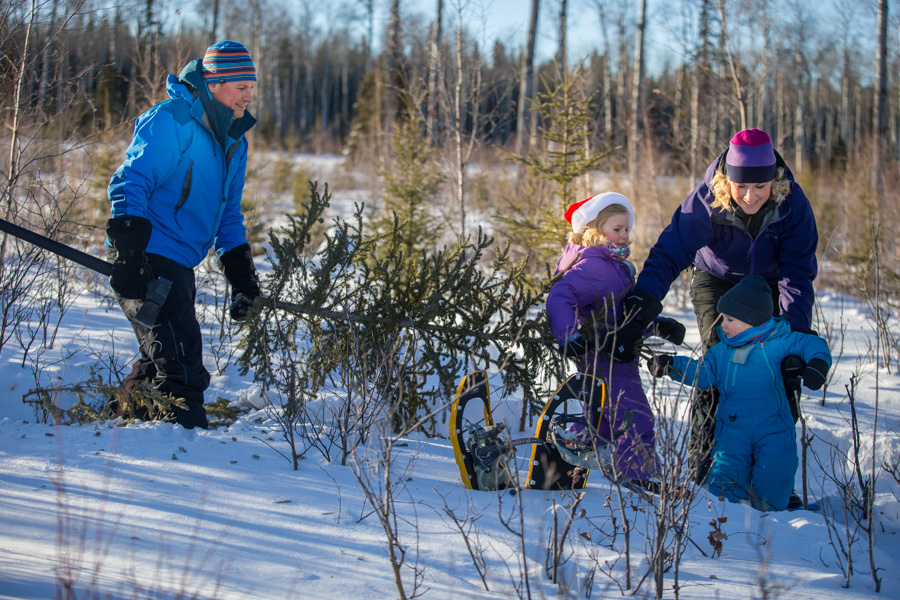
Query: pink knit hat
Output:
(750,157)
(581,214)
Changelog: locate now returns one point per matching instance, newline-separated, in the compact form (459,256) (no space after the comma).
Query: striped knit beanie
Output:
(227,61)
(750,158)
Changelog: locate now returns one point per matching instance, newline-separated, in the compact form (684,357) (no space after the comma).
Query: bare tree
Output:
(562,61)
(383,479)
(637,94)
(391,60)
(700,81)
(526,85)
(734,66)
(880,113)
(434,72)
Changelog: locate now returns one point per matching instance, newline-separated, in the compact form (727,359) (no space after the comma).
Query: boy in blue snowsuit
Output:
(755,452)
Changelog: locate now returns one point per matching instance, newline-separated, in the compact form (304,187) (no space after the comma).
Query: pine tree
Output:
(560,155)
(356,296)
(410,188)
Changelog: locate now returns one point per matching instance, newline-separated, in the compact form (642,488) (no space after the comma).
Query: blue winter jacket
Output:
(717,242)
(184,171)
(748,373)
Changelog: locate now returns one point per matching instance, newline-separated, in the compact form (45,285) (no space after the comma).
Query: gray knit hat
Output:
(749,301)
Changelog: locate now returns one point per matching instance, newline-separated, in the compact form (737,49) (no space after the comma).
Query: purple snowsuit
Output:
(596,278)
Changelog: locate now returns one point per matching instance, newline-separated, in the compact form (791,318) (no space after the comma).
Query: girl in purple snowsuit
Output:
(596,274)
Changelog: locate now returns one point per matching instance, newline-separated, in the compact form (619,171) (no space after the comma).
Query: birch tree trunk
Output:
(393,52)
(637,93)
(526,85)
(800,93)
(431,121)
(879,121)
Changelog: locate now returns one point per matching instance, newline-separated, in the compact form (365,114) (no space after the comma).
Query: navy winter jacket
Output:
(719,243)
(184,171)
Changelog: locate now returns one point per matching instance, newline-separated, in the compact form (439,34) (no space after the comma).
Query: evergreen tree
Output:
(410,187)
(355,297)
(560,154)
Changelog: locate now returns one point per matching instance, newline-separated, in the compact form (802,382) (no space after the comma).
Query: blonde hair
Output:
(721,189)
(591,235)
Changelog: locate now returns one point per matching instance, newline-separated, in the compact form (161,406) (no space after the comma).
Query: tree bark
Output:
(637,93)
(431,121)
(879,124)
(526,84)
(391,59)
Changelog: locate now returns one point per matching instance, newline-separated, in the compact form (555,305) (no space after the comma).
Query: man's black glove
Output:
(670,330)
(659,364)
(636,312)
(815,373)
(573,346)
(129,237)
(240,272)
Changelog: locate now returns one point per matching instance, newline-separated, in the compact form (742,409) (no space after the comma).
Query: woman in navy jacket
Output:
(748,217)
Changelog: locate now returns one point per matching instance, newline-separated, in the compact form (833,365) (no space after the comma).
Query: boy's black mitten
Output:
(659,365)
(670,330)
(815,373)
(240,272)
(792,374)
(129,237)
(573,346)
(637,311)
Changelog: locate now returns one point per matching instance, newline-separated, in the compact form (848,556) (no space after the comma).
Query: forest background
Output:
(443,133)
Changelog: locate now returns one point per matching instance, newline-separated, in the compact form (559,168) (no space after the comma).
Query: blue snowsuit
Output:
(755,454)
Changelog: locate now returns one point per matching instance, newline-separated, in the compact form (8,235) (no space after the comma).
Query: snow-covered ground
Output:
(150,510)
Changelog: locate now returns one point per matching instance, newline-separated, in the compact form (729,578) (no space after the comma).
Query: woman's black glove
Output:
(659,364)
(815,373)
(240,272)
(636,312)
(573,346)
(129,237)
(670,330)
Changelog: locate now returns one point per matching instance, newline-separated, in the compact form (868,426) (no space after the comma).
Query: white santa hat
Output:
(581,214)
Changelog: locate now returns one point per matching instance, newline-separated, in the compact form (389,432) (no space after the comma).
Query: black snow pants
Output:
(171,352)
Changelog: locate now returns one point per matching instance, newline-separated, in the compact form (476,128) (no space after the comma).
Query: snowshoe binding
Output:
(481,449)
(567,430)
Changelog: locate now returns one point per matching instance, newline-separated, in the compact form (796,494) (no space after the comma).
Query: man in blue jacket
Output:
(747,217)
(177,195)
